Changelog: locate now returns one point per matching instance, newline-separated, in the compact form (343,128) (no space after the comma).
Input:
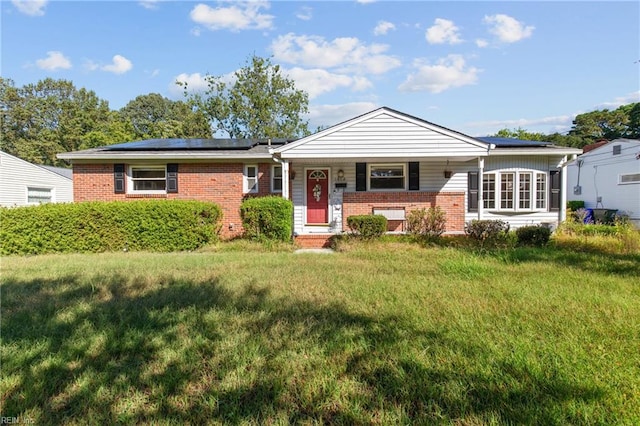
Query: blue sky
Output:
(475,67)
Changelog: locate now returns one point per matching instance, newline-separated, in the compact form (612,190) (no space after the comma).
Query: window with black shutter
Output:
(555,188)
(414,176)
(361,176)
(118,178)
(172,178)
(472,191)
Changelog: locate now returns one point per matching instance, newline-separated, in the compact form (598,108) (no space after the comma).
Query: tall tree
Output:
(260,103)
(154,116)
(52,116)
(601,124)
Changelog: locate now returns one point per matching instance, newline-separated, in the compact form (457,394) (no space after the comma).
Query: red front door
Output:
(318,196)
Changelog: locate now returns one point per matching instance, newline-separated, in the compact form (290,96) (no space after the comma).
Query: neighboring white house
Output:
(608,177)
(23,183)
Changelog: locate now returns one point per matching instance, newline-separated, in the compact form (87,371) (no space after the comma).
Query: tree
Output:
(520,133)
(154,116)
(260,103)
(52,116)
(601,124)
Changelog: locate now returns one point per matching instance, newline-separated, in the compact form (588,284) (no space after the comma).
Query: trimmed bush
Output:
(367,226)
(575,205)
(154,225)
(537,236)
(487,232)
(267,218)
(430,223)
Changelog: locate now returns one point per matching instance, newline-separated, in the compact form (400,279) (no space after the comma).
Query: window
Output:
(39,195)
(506,190)
(250,179)
(629,178)
(387,176)
(276,179)
(489,191)
(515,191)
(148,179)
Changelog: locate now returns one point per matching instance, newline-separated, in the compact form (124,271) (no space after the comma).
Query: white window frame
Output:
(635,177)
(532,204)
(131,180)
(274,179)
(390,165)
(41,188)
(250,184)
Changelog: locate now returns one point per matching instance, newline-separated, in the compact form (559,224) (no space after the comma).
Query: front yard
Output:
(379,333)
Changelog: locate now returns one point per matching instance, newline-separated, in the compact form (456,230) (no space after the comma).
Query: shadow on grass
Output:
(122,350)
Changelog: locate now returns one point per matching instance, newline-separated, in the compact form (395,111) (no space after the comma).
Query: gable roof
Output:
(58,171)
(388,133)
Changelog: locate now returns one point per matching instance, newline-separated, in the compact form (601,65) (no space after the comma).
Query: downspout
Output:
(563,189)
(480,186)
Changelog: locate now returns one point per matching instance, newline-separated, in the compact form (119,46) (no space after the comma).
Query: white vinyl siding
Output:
(386,135)
(16,175)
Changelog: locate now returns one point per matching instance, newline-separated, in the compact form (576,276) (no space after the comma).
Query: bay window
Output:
(514,190)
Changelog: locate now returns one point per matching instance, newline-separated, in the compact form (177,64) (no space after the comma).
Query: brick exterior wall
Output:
(220,183)
(359,203)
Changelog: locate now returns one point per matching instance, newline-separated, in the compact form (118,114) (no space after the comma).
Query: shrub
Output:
(267,218)
(155,225)
(367,226)
(537,236)
(575,205)
(430,223)
(487,233)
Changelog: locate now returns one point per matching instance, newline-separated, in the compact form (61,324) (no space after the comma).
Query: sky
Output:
(475,67)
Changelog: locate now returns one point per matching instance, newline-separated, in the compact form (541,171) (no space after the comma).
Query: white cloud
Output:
(195,31)
(447,73)
(365,1)
(196,83)
(31,7)
(238,16)
(620,100)
(482,43)
(305,13)
(346,53)
(443,31)
(525,123)
(508,29)
(317,81)
(149,4)
(120,65)
(330,115)
(383,27)
(55,60)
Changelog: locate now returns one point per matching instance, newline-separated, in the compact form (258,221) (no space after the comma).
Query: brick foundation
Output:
(313,241)
(359,203)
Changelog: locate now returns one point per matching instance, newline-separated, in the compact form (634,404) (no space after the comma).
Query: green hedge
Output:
(367,226)
(154,225)
(267,218)
(537,236)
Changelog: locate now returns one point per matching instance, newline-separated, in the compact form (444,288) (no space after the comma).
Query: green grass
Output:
(379,333)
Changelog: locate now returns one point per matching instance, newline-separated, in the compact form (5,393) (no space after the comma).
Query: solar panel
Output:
(184,144)
(508,142)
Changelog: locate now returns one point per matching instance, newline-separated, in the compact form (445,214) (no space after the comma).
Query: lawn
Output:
(380,333)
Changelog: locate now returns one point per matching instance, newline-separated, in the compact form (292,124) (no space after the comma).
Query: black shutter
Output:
(472,189)
(555,190)
(414,176)
(361,176)
(118,178)
(172,178)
